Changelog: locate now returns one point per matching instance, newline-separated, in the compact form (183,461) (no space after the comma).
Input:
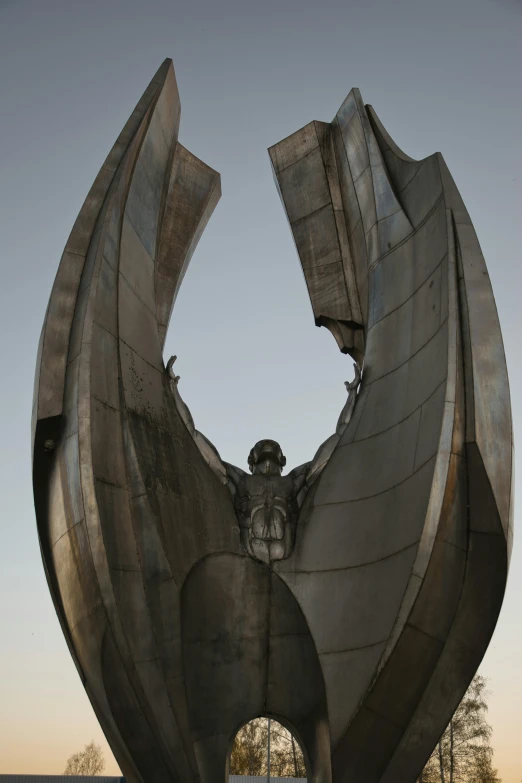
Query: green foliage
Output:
(249,752)
(89,761)
(464,753)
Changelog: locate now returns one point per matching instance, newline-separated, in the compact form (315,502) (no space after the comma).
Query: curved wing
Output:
(402,548)
(113,462)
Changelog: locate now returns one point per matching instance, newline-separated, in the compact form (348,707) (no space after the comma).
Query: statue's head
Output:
(266,457)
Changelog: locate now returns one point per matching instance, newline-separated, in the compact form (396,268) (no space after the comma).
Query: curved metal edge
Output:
(384,139)
(305,171)
(465,561)
(54,340)
(61,517)
(488,404)
(443,593)
(191,197)
(72,515)
(51,495)
(378,224)
(487,454)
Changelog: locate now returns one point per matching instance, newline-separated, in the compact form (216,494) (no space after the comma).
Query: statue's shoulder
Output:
(287,481)
(283,485)
(249,484)
(254,483)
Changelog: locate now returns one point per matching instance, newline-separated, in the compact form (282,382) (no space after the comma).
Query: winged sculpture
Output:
(352,598)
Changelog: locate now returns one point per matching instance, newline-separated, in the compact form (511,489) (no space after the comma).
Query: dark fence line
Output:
(114,779)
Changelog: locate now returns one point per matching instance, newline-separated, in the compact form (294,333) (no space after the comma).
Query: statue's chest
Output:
(266,504)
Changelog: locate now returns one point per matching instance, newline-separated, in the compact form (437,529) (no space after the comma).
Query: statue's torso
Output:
(266,508)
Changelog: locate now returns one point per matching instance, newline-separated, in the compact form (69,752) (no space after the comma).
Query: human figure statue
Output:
(266,502)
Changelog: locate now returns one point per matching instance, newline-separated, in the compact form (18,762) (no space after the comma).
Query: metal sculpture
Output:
(267,504)
(352,599)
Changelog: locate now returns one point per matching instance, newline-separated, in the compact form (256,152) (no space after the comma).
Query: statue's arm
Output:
(227,474)
(234,476)
(352,388)
(306,474)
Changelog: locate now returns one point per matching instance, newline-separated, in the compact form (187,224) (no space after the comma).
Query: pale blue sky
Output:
(442,75)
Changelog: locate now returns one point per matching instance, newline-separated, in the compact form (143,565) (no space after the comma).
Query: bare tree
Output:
(464,753)
(250,749)
(248,755)
(89,761)
(286,756)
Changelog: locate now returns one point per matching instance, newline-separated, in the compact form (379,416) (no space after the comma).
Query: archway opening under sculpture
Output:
(266,747)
